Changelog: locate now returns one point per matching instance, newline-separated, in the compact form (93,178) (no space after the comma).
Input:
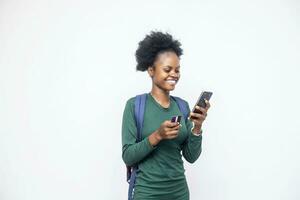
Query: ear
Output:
(151,71)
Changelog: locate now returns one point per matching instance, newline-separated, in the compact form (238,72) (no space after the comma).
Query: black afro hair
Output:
(153,44)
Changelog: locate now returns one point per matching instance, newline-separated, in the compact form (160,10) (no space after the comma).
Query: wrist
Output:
(196,129)
(155,138)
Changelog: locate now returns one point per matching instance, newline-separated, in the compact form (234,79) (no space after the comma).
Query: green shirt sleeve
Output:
(132,152)
(192,147)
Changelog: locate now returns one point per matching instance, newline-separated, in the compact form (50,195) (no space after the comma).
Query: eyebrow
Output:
(171,66)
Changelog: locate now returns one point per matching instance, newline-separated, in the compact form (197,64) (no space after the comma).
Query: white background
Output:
(67,69)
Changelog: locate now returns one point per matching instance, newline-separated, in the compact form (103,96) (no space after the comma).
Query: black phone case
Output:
(201,102)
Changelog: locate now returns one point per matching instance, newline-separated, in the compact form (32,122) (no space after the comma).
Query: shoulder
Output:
(130,102)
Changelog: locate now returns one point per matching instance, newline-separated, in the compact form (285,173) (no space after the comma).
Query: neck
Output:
(160,95)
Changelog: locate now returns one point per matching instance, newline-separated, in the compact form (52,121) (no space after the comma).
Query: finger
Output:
(195,115)
(177,127)
(170,124)
(192,116)
(173,133)
(207,104)
(202,110)
(172,137)
(198,116)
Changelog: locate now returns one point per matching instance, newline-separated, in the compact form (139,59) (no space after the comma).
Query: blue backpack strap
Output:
(139,109)
(182,106)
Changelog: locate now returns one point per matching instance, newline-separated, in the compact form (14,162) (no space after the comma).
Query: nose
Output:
(174,74)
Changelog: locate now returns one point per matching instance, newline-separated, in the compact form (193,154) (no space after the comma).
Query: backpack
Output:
(139,109)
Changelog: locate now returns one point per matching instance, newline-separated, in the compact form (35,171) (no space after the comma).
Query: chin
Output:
(167,88)
(170,89)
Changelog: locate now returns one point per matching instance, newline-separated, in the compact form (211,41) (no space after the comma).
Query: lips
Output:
(172,81)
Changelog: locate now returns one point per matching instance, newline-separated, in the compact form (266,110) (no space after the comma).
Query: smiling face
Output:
(166,71)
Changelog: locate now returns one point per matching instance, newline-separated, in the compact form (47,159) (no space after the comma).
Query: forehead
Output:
(167,59)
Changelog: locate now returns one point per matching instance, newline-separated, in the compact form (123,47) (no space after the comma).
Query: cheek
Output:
(159,80)
(161,75)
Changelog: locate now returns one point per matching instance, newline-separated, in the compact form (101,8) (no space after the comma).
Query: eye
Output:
(169,69)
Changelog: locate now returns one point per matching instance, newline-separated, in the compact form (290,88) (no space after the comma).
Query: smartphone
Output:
(176,119)
(201,100)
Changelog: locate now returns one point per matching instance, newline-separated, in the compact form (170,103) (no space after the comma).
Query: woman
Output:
(158,154)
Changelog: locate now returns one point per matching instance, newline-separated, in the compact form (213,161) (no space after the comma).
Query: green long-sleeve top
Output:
(160,172)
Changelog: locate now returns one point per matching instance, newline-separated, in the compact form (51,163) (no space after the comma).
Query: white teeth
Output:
(171,81)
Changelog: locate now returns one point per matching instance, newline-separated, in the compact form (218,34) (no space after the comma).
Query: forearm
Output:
(192,148)
(134,153)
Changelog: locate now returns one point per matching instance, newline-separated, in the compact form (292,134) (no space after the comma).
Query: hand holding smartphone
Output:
(201,101)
